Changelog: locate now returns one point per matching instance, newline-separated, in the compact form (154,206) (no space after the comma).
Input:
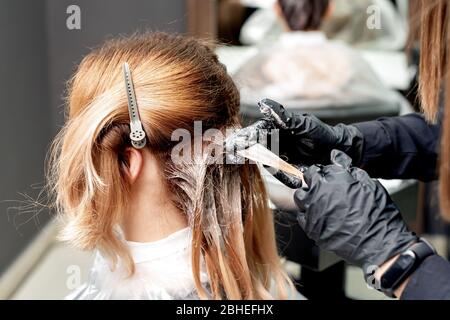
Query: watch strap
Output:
(420,251)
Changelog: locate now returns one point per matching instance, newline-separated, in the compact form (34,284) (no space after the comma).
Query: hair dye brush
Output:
(260,154)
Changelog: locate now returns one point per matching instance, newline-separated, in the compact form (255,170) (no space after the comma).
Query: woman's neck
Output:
(151,216)
(152,221)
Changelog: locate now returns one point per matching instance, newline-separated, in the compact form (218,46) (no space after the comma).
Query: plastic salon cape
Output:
(307,71)
(163,271)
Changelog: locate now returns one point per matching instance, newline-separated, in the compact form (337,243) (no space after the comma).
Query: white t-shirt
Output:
(163,271)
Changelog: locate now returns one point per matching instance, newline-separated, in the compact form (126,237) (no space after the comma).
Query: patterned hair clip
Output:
(137,135)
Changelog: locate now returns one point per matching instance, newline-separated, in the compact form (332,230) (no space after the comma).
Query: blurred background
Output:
(359,63)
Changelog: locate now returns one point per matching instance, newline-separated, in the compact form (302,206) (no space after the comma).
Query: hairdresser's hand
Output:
(304,139)
(346,212)
(246,137)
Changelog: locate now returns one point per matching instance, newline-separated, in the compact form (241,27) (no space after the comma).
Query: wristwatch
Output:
(404,266)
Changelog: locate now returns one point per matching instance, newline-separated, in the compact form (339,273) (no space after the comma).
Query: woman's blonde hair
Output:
(177,80)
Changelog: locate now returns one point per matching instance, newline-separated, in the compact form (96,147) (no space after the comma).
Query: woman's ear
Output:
(135,163)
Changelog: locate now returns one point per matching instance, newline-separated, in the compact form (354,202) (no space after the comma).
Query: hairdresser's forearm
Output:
(400,148)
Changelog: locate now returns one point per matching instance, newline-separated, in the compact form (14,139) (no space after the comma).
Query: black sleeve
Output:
(403,147)
(431,281)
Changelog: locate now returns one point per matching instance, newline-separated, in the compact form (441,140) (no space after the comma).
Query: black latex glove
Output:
(241,139)
(346,212)
(302,138)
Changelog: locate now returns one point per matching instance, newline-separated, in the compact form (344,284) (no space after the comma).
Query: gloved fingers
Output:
(312,174)
(274,112)
(360,175)
(301,199)
(245,138)
(239,140)
(262,125)
(337,172)
(341,159)
(301,219)
(287,179)
(363,177)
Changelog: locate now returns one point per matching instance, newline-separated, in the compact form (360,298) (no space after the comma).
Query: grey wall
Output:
(37,56)
(25,119)
(102,19)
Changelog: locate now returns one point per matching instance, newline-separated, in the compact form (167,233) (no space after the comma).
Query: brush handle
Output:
(261,154)
(288,168)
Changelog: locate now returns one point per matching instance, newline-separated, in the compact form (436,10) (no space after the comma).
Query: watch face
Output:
(395,272)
